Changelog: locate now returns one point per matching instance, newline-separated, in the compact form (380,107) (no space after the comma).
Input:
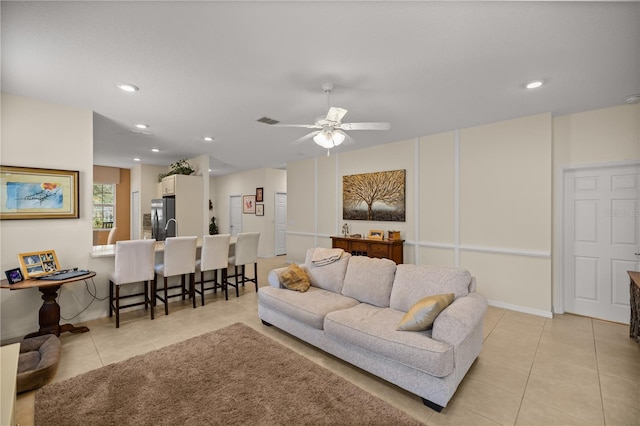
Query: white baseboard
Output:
(523,309)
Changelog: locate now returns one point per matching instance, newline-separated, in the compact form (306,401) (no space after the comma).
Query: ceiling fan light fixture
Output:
(329,138)
(338,137)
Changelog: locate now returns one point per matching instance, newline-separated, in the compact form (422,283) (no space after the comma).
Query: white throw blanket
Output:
(325,256)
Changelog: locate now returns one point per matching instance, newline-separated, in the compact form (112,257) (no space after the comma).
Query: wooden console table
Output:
(373,248)
(634,290)
(49,314)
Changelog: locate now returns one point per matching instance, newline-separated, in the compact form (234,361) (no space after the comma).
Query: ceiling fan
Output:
(330,130)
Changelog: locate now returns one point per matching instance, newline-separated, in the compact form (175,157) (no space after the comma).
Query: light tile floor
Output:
(568,370)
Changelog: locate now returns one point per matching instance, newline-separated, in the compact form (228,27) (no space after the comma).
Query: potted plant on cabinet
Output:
(180,167)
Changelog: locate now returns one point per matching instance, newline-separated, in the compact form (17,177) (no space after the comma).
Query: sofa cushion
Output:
(413,282)
(374,330)
(295,278)
(369,280)
(309,307)
(424,312)
(328,277)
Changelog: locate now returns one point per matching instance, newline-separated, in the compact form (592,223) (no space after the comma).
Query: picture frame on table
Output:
(249,204)
(259,209)
(14,275)
(376,234)
(35,193)
(259,195)
(37,263)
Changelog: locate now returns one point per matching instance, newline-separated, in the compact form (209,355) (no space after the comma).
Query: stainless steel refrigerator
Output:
(162,210)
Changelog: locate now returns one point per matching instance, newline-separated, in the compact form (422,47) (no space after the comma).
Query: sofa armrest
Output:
(472,285)
(460,318)
(274,277)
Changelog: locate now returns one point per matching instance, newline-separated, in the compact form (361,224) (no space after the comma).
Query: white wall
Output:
(481,198)
(596,137)
(39,134)
(604,136)
(505,211)
(144,180)
(245,183)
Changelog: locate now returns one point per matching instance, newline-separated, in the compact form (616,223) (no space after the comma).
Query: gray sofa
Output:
(352,310)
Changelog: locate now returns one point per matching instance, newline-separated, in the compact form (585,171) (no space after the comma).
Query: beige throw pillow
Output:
(295,278)
(424,312)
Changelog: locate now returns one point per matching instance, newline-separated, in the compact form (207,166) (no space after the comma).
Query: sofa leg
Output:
(431,405)
(266,323)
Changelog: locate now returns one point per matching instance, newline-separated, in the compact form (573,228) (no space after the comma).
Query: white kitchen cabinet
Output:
(168,185)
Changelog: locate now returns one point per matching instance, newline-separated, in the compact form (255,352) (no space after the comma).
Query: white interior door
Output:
(235,215)
(281,223)
(601,216)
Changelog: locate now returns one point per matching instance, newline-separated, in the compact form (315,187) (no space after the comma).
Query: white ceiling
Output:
(213,68)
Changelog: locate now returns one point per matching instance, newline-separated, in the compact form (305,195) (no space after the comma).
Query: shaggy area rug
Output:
(235,375)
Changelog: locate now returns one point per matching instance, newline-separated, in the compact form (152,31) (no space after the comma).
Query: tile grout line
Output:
(96,349)
(535,355)
(595,350)
(494,326)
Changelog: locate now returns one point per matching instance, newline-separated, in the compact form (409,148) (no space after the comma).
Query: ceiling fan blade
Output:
(305,137)
(306,126)
(364,126)
(335,114)
(348,140)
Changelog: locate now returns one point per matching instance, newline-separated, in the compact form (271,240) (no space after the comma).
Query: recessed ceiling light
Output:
(136,159)
(155,150)
(209,169)
(208,138)
(128,87)
(142,126)
(534,84)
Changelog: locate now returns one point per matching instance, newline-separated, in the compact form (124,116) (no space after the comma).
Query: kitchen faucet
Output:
(167,225)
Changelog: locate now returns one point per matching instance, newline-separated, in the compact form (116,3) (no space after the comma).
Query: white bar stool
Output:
(214,256)
(134,263)
(246,253)
(179,259)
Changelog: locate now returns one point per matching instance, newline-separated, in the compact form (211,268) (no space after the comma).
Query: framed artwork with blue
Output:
(34,193)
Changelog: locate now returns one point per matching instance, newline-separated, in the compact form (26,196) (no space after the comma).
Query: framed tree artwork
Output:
(374,196)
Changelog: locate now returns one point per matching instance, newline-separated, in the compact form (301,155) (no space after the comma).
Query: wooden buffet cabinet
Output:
(373,248)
